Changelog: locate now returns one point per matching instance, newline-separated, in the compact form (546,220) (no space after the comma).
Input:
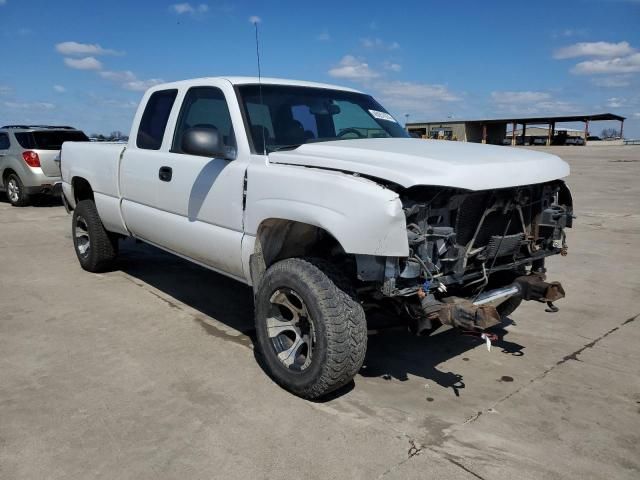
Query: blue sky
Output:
(86,63)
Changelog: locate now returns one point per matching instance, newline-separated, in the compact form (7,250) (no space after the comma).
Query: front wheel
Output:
(95,247)
(311,331)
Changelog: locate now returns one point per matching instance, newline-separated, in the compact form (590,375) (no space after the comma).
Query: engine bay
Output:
(475,255)
(459,238)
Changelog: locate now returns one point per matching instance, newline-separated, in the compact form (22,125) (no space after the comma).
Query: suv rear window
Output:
(49,140)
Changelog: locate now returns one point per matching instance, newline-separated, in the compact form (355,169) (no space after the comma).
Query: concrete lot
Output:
(148,371)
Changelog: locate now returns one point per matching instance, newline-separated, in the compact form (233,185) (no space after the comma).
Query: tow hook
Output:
(532,287)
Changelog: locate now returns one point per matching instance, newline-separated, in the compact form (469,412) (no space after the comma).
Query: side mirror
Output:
(203,141)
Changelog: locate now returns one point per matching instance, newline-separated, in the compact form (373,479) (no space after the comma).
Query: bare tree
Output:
(609,133)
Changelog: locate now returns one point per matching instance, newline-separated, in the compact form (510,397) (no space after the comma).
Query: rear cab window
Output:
(154,119)
(49,140)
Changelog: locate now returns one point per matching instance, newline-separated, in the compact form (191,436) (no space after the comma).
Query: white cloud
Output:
(519,97)
(379,43)
(615,102)
(87,63)
(187,8)
(594,49)
(401,94)
(129,80)
(636,114)
(323,36)
(81,49)
(613,82)
(353,69)
(571,32)
(30,105)
(142,85)
(123,76)
(59,88)
(627,64)
(529,103)
(5,89)
(255,19)
(3,2)
(394,67)
(124,104)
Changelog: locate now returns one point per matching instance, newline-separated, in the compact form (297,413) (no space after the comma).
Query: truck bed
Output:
(98,164)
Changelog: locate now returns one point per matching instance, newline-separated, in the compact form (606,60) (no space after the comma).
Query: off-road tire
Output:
(23,197)
(103,245)
(337,317)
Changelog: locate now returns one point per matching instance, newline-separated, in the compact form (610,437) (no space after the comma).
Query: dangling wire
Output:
(495,256)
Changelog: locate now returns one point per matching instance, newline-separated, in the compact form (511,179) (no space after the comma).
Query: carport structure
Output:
(493,130)
(552,121)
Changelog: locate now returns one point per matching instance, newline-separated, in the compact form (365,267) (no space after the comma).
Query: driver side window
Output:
(205,107)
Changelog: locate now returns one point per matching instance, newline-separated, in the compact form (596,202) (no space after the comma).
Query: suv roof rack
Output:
(52,127)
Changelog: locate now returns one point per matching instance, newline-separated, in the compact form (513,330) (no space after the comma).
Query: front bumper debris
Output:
(482,312)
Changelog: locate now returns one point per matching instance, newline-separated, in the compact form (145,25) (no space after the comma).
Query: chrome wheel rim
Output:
(83,242)
(13,190)
(291,330)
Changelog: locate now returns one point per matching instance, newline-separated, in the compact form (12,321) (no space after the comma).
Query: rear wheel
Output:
(16,191)
(95,247)
(311,331)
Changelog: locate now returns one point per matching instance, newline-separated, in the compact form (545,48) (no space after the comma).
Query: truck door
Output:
(189,204)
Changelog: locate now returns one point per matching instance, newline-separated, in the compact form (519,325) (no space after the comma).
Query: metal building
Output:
(494,130)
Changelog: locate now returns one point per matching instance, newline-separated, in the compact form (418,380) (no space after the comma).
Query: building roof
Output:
(528,120)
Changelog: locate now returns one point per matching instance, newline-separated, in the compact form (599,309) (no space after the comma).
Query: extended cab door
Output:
(189,204)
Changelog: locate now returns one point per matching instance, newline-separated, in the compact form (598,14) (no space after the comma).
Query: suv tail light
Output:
(31,158)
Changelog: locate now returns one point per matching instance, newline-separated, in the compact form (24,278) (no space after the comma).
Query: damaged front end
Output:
(474,255)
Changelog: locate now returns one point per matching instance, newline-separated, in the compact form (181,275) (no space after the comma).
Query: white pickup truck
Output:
(316,197)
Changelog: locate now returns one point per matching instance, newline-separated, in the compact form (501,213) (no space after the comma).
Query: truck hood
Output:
(409,161)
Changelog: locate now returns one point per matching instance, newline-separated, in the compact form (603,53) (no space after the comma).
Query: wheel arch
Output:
(81,189)
(279,238)
(6,172)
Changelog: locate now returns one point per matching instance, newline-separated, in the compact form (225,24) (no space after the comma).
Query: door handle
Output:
(165,174)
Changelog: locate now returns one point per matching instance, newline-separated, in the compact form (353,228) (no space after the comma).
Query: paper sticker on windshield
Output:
(382,116)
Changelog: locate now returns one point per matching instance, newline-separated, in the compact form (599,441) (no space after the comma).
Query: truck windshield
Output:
(289,116)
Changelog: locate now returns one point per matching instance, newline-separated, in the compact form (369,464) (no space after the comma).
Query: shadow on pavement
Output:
(391,354)
(212,294)
(37,200)
(396,355)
